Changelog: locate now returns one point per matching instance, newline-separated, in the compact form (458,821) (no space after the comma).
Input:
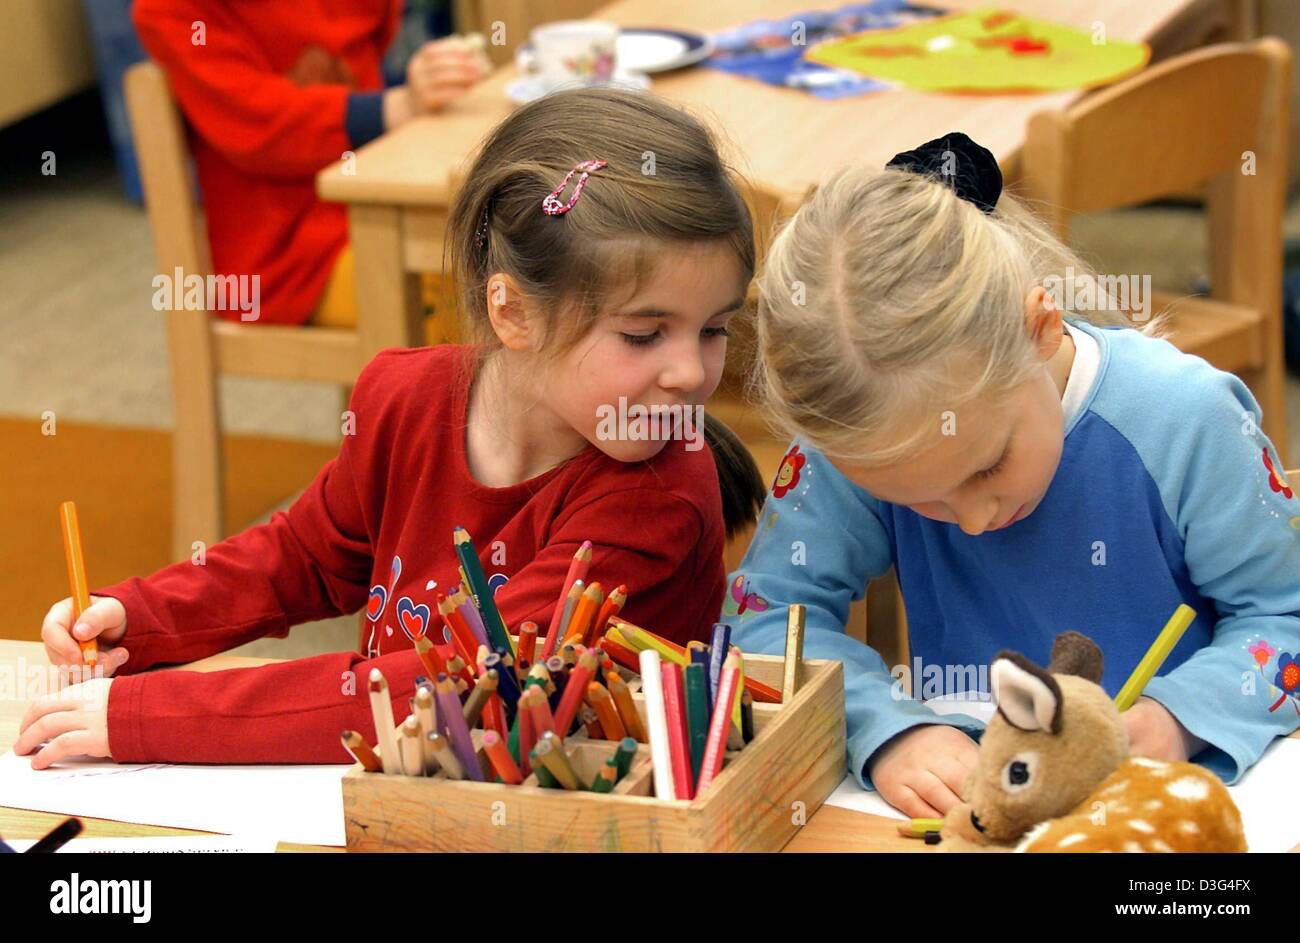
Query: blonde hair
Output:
(888,299)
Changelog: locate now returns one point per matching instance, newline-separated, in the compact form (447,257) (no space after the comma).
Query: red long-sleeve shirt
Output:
(258,136)
(396,490)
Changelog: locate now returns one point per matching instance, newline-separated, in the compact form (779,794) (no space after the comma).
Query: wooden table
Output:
(784,141)
(829,829)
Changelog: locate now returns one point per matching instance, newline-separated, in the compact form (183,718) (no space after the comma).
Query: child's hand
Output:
(441,71)
(1154,732)
(104,621)
(921,771)
(74,721)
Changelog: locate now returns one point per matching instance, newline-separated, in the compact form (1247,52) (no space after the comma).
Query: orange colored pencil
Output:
(627,711)
(80,590)
(583,614)
(603,704)
(502,762)
(610,607)
(360,751)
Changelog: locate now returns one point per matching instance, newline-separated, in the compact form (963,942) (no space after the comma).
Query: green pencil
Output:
(697,715)
(478,585)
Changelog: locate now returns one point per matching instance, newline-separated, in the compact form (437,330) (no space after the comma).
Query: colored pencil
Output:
(591,723)
(657,723)
(478,584)
(697,715)
(679,749)
(79,588)
(59,836)
(570,603)
(453,721)
(463,639)
(427,718)
(746,716)
(700,657)
(624,756)
(1155,657)
(792,676)
(584,613)
(551,753)
(446,756)
(627,710)
(409,747)
(637,638)
(612,606)
(527,738)
(540,709)
(464,603)
(478,698)
(433,662)
(527,650)
(578,568)
(720,723)
(574,690)
(916,828)
(602,702)
(735,738)
(718,651)
(360,751)
(381,709)
(606,776)
(504,765)
(544,777)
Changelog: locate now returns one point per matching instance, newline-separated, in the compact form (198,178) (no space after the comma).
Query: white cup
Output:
(574,52)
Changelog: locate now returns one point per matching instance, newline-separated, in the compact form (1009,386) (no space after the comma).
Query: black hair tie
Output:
(971,171)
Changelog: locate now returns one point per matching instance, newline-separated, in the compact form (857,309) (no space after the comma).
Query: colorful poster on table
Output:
(989,51)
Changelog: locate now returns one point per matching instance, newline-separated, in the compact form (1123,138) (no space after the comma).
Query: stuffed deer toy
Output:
(1054,772)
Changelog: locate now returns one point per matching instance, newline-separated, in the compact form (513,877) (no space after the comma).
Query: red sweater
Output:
(397,489)
(266,97)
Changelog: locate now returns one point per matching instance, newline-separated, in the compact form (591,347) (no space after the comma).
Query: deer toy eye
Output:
(1019,772)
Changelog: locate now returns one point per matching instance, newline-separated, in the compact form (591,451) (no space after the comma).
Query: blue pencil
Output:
(717,655)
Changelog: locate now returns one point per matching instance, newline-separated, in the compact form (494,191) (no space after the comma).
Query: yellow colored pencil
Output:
(1155,656)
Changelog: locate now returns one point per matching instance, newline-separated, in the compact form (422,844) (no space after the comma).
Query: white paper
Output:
(300,804)
(160,844)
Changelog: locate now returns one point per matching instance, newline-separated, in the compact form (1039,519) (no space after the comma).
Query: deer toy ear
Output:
(1075,654)
(1028,698)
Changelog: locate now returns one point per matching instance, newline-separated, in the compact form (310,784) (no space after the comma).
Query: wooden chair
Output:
(1192,121)
(201,346)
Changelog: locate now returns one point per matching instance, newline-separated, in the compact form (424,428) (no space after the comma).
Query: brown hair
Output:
(664,181)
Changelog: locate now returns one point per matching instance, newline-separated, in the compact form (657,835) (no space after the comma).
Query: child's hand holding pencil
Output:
(103,622)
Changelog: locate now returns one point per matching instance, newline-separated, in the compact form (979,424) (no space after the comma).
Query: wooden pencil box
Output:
(763,795)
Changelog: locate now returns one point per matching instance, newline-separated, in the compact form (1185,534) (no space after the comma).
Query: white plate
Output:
(530,88)
(659,50)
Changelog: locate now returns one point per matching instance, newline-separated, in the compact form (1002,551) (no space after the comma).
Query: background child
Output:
(274,91)
(627,292)
(1026,474)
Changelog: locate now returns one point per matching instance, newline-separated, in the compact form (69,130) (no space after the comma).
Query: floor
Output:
(79,337)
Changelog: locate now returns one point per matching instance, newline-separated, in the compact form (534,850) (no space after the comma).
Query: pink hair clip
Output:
(552,206)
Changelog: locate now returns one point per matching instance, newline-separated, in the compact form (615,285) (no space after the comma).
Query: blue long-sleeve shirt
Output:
(1167,492)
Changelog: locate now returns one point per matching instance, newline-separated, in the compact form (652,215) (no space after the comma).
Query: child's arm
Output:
(262,122)
(819,545)
(1238,519)
(311,562)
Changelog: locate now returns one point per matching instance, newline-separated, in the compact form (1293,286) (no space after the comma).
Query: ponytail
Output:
(743,490)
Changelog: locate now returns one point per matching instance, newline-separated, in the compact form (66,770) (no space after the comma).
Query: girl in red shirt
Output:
(602,247)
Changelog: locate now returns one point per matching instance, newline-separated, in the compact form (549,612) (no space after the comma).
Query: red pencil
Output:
(574,690)
(578,568)
(675,713)
(720,723)
(527,649)
(462,637)
(610,607)
(502,762)
(540,710)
